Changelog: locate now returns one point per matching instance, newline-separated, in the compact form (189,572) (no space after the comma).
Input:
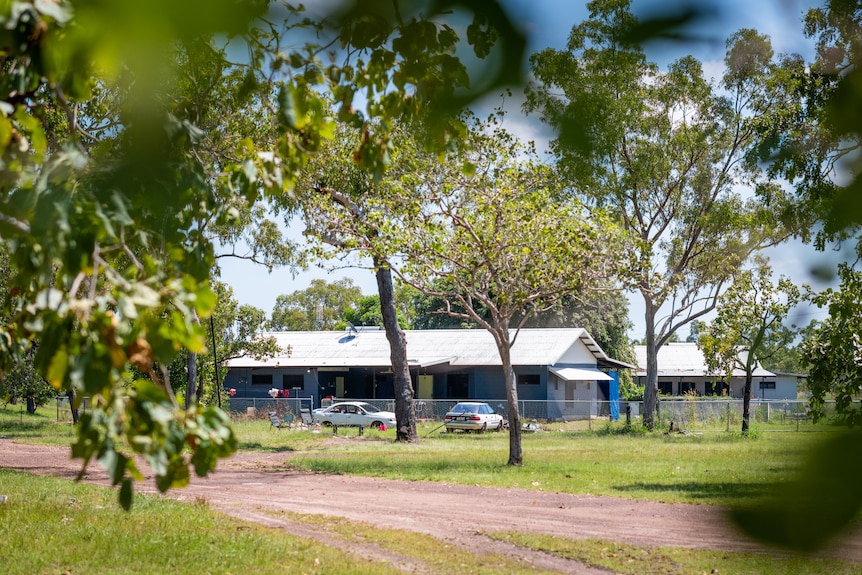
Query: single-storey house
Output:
(682,369)
(565,365)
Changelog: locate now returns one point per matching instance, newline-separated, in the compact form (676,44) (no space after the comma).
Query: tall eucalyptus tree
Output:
(669,154)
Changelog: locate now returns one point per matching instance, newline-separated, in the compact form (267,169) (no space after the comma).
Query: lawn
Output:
(54,526)
(57,526)
(715,468)
(711,468)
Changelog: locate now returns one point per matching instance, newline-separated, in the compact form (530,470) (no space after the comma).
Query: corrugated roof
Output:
(684,359)
(369,348)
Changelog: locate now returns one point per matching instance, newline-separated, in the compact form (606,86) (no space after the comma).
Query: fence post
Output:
(728,415)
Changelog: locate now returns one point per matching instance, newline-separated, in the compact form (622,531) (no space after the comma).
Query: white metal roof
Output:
(684,359)
(370,348)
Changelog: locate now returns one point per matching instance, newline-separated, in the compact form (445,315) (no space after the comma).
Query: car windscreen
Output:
(370,408)
(465,408)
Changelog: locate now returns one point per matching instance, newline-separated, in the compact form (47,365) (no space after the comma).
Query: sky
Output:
(548,23)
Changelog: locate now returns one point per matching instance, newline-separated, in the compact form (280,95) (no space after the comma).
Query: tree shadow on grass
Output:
(701,491)
(257,446)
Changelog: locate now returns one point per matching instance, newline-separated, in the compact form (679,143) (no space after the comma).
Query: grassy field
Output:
(710,468)
(52,526)
(716,468)
(56,526)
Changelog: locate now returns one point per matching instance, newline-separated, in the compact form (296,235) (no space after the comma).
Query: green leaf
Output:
(5,132)
(146,390)
(816,506)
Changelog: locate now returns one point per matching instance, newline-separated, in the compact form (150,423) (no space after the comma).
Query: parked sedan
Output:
(473,416)
(353,414)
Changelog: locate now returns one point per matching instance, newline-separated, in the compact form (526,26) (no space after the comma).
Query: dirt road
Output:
(250,486)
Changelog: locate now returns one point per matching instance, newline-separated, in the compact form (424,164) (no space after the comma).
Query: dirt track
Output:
(250,486)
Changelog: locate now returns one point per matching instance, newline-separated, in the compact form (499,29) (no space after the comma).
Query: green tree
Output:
(666,153)
(238,332)
(832,350)
(367,311)
(104,183)
(488,234)
(748,328)
(321,306)
(815,145)
(817,135)
(695,329)
(22,382)
(341,207)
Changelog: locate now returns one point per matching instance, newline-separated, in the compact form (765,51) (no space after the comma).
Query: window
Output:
(528,379)
(291,380)
(261,379)
(457,386)
(686,387)
(767,385)
(665,387)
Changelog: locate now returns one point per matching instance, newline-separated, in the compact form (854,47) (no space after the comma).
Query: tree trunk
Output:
(72,407)
(191,378)
(651,385)
(746,402)
(516,454)
(31,404)
(405,415)
(193,391)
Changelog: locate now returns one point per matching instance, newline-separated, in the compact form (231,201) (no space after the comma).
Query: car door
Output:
(351,415)
(489,417)
(336,415)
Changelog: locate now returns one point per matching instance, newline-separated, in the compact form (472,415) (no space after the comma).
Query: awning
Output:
(433,362)
(580,374)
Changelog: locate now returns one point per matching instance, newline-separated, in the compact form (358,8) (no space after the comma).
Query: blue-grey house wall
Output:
(482,383)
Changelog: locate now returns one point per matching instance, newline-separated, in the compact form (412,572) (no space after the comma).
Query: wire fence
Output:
(678,414)
(683,414)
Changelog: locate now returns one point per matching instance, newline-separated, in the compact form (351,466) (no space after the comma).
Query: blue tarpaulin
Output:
(614,395)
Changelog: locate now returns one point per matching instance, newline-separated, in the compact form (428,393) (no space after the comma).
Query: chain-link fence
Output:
(64,410)
(685,414)
(681,414)
(726,414)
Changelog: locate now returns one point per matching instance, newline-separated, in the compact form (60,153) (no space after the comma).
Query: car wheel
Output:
(326,423)
(376,424)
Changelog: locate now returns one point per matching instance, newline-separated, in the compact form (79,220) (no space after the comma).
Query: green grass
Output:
(710,468)
(43,427)
(718,469)
(635,560)
(54,526)
(435,555)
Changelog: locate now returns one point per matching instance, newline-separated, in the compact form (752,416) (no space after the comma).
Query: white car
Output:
(353,414)
(473,416)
